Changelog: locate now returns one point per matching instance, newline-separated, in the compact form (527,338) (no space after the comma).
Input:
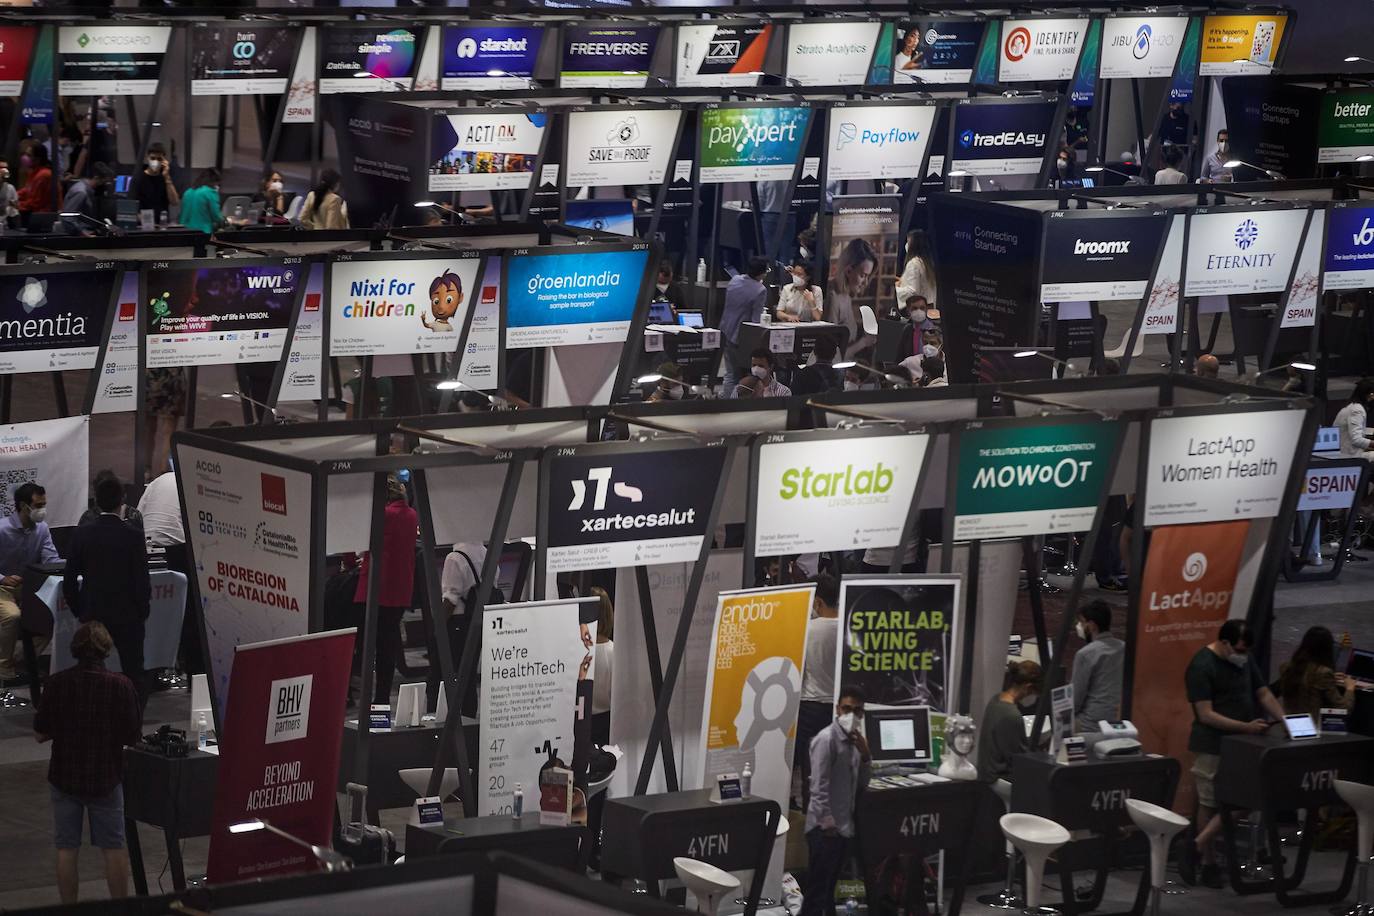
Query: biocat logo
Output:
(274,494)
(809,483)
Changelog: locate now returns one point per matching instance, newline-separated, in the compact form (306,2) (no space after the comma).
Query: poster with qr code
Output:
(53,453)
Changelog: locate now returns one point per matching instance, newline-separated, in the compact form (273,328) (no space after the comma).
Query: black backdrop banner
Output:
(897,639)
(1272,125)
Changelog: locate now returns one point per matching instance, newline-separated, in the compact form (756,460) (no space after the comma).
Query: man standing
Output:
(153,187)
(1226,692)
(840,765)
(818,677)
(88,714)
(745,296)
(107,580)
(24,541)
(1097,668)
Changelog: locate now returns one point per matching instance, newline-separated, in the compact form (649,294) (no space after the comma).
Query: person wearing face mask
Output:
(800,300)
(670,387)
(36,196)
(1002,733)
(272,194)
(1063,165)
(1097,668)
(200,208)
(1214,166)
(82,194)
(818,676)
(665,290)
(24,541)
(152,187)
(840,769)
(932,345)
(1227,694)
(762,368)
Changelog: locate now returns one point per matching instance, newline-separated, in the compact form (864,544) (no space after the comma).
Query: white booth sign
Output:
(1242,251)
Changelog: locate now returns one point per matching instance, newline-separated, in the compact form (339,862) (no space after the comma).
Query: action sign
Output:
(609,507)
(280,741)
(1017,480)
(819,493)
(485,151)
(400,303)
(1219,466)
(898,639)
(1242,251)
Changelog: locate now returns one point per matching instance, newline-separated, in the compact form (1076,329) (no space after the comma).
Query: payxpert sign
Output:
(751,144)
(835,494)
(1247,251)
(1023,480)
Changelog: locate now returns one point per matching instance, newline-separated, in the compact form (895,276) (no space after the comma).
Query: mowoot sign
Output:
(878,141)
(835,494)
(1024,480)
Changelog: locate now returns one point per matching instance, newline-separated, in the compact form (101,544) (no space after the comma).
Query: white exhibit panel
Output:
(485,150)
(400,303)
(1039,50)
(831,53)
(881,142)
(1141,47)
(622,146)
(1241,251)
(203,312)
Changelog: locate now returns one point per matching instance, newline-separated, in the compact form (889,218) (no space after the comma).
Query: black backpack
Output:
(470,599)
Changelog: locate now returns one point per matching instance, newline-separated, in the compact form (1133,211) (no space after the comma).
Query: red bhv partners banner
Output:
(279,753)
(1185,596)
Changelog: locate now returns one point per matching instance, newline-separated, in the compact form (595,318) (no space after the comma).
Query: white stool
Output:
(706,882)
(1161,825)
(1006,898)
(1360,797)
(1035,837)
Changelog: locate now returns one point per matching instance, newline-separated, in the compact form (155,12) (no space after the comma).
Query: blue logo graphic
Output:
(966,139)
(1141,48)
(480,51)
(1247,233)
(576,288)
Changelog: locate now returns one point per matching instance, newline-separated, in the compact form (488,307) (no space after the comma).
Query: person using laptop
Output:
(1309,682)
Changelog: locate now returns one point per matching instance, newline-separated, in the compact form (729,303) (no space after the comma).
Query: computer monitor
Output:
(514,569)
(122,183)
(661,312)
(605,215)
(1328,439)
(1361,666)
(691,319)
(899,734)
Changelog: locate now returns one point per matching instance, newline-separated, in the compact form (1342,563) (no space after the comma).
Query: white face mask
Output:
(851,386)
(759,373)
(805,252)
(274,186)
(1238,659)
(1223,146)
(1062,165)
(37,515)
(662,287)
(799,281)
(918,316)
(929,350)
(1078,628)
(849,721)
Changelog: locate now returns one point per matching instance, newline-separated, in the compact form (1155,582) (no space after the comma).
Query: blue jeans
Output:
(106,816)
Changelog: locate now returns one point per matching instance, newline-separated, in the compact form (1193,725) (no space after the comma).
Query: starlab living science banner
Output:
(620,147)
(1105,256)
(820,493)
(1245,251)
(395,305)
(111,59)
(1219,466)
(577,296)
(1345,126)
(750,144)
(727,54)
(1185,596)
(1241,44)
(280,742)
(606,56)
(536,657)
(385,55)
(831,53)
(53,317)
(1035,50)
(1141,47)
(1161,310)
(878,141)
(936,51)
(1002,138)
(55,453)
(16,50)
(217,311)
(1015,480)
(487,151)
(1300,310)
(898,639)
(1349,248)
(244,58)
(610,507)
(489,56)
(249,531)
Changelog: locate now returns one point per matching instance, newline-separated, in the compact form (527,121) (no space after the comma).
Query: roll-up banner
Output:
(16,50)
(750,142)
(248,525)
(721,54)
(304,362)
(572,296)
(55,453)
(1039,50)
(1141,47)
(53,317)
(203,312)
(619,146)
(936,50)
(1161,310)
(1300,311)
(111,59)
(537,664)
(1017,478)
(607,55)
(280,742)
(400,302)
(1002,138)
(1206,467)
(1237,44)
(616,505)
(879,141)
(899,639)
(865,227)
(367,57)
(818,492)
(302,98)
(1345,125)
(1242,250)
(36,105)
(485,150)
(1185,596)
(831,53)
(489,55)
(1099,255)
(1349,255)
(242,58)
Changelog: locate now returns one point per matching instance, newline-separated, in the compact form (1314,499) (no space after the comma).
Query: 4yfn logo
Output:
(601,487)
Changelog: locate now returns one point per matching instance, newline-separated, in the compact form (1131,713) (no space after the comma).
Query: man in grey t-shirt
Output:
(1097,668)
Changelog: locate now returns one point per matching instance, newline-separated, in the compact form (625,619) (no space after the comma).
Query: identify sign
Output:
(1039,50)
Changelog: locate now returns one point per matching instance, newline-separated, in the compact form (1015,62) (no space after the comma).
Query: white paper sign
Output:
(620,146)
(653,341)
(1035,50)
(1329,488)
(878,141)
(1242,251)
(782,340)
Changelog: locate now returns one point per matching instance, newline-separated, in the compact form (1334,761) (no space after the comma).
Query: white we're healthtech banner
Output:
(831,53)
(1035,50)
(620,147)
(53,453)
(878,141)
(1248,251)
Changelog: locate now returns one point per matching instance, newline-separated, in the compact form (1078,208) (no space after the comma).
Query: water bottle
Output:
(766,317)
(202,732)
(851,906)
(517,802)
(746,780)
(701,270)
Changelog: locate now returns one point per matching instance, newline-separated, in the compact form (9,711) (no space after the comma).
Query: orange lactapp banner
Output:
(1185,596)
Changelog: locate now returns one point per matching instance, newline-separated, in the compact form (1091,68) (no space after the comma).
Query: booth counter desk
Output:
(790,343)
(174,794)
(557,847)
(1270,775)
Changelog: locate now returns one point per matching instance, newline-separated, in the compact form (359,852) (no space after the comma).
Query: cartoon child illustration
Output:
(445,295)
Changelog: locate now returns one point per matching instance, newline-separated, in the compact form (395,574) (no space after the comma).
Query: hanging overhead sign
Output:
(53,317)
(936,50)
(242,58)
(486,150)
(1099,255)
(400,302)
(1035,50)
(721,54)
(1235,44)
(111,59)
(1349,248)
(1002,138)
(878,141)
(831,53)
(489,55)
(1141,47)
(572,296)
(1241,251)
(16,50)
(620,146)
(750,143)
(1345,127)
(605,56)
(367,57)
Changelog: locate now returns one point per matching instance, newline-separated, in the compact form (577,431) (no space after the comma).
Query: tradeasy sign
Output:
(1034,50)
(1247,251)
(1002,138)
(878,141)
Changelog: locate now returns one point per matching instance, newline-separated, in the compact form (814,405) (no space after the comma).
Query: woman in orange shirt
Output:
(36,194)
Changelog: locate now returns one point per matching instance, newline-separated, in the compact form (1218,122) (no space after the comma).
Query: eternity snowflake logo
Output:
(1246,234)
